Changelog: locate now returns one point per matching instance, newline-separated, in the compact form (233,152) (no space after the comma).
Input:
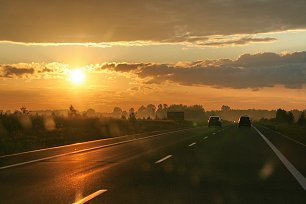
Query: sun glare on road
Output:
(77,76)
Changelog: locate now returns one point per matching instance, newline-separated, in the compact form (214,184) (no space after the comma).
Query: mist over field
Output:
(27,130)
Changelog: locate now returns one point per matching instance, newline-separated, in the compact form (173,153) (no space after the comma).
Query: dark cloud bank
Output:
(248,71)
(153,20)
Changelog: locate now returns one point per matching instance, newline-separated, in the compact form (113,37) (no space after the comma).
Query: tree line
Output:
(283,116)
(159,112)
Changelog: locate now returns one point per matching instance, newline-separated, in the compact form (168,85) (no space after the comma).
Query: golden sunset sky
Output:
(100,54)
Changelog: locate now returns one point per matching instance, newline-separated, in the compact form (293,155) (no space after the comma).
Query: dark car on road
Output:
(244,121)
(214,121)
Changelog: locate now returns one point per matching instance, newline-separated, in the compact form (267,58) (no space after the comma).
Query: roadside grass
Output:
(294,131)
(19,134)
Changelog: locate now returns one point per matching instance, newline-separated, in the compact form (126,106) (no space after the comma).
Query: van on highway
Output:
(214,121)
(244,121)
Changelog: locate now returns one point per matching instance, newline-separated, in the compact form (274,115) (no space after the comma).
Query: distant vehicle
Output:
(244,121)
(214,121)
(176,116)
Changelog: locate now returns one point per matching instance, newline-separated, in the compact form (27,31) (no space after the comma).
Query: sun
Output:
(77,76)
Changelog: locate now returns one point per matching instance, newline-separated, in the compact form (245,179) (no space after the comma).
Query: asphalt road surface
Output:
(199,165)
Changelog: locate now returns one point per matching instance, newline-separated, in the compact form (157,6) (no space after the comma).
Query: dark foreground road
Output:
(229,165)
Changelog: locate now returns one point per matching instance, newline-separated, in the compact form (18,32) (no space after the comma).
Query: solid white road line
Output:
(192,144)
(86,150)
(296,174)
(163,159)
(83,143)
(91,196)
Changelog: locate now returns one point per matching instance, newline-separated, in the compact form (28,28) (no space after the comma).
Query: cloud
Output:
(218,40)
(253,71)
(120,67)
(240,41)
(32,70)
(97,21)
(187,40)
(248,71)
(13,72)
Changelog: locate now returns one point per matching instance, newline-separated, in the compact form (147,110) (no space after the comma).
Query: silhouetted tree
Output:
(132,115)
(165,106)
(151,109)
(191,112)
(24,110)
(142,112)
(225,108)
(296,113)
(302,120)
(281,116)
(284,117)
(117,112)
(161,113)
(72,111)
(124,115)
(290,118)
(90,112)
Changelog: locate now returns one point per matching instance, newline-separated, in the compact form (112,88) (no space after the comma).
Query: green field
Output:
(20,133)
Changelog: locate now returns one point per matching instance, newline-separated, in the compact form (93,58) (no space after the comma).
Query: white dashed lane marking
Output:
(163,159)
(192,144)
(90,197)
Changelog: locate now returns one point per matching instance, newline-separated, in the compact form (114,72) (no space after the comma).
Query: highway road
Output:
(198,165)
